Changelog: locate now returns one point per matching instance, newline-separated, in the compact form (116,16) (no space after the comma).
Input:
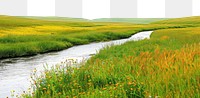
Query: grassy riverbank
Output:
(26,36)
(167,65)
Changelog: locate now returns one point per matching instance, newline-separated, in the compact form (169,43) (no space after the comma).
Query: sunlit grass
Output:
(186,20)
(23,36)
(167,65)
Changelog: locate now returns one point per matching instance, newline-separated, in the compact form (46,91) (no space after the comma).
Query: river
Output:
(15,72)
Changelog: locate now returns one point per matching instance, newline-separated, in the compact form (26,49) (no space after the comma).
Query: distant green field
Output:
(57,18)
(131,20)
(186,20)
(123,20)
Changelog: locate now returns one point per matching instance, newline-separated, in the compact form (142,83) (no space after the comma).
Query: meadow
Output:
(166,66)
(27,36)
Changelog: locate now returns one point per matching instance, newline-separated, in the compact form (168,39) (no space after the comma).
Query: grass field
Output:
(21,36)
(166,66)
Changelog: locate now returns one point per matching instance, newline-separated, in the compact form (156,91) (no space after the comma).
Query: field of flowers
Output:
(166,66)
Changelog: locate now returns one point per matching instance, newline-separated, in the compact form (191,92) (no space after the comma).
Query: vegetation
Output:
(186,20)
(119,20)
(25,36)
(52,18)
(167,65)
(130,20)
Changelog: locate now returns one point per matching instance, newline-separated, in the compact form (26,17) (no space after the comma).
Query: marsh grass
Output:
(167,65)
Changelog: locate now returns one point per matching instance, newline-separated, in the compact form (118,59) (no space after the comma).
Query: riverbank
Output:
(19,69)
(134,69)
(26,37)
(167,65)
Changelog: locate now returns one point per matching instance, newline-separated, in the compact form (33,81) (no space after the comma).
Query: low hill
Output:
(184,20)
(130,20)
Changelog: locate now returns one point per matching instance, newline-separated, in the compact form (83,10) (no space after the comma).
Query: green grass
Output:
(130,20)
(21,36)
(57,18)
(195,20)
(167,65)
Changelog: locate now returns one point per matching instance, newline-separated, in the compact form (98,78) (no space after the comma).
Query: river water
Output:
(15,72)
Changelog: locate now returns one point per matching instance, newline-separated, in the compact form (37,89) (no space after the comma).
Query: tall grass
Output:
(167,65)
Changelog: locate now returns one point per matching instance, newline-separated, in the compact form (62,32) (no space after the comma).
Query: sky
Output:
(41,7)
(96,9)
(151,8)
(196,7)
(101,8)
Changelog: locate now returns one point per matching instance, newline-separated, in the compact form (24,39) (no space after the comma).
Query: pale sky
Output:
(41,7)
(196,7)
(96,9)
(151,8)
(101,8)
